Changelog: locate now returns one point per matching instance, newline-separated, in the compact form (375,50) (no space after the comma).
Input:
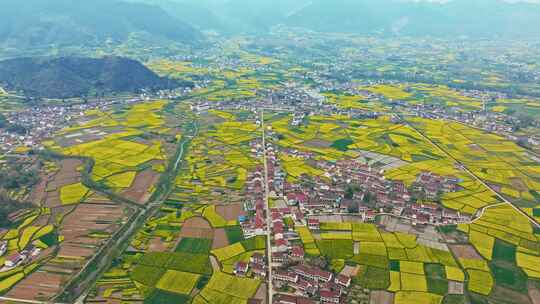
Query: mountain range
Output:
(36,23)
(473,18)
(67,77)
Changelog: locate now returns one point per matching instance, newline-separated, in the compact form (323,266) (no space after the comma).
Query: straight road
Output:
(502,198)
(268,217)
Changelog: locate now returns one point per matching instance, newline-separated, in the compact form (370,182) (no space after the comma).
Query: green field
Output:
(188,262)
(178,282)
(336,249)
(194,245)
(234,234)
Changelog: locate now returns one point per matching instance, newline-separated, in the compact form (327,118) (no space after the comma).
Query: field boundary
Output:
(504,200)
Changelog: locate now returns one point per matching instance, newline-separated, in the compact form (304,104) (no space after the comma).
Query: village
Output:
(355,189)
(351,188)
(29,127)
(18,258)
(288,152)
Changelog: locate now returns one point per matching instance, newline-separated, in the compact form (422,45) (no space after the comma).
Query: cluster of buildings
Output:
(283,250)
(290,299)
(498,123)
(297,96)
(18,258)
(255,200)
(312,282)
(255,225)
(433,185)
(352,187)
(257,266)
(37,124)
(40,122)
(292,270)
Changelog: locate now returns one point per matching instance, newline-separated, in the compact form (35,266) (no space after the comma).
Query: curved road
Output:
(141,217)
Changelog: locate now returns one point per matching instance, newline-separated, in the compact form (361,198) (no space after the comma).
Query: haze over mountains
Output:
(34,23)
(473,18)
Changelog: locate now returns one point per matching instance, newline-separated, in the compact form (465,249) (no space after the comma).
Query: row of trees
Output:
(8,206)
(15,177)
(3,121)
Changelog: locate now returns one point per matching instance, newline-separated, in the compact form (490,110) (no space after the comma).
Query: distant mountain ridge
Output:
(34,23)
(68,77)
(196,14)
(473,18)
(230,16)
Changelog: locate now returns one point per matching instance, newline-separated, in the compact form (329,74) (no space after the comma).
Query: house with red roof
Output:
(280,257)
(308,287)
(314,224)
(297,253)
(370,215)
(282,245)
(313,273)
(343,280)
(241,268)
(278,227)
(330,297)
(286,276)
(258,270)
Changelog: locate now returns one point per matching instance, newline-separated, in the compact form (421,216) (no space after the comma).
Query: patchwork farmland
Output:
(205,240)
(195,236)
(269,181)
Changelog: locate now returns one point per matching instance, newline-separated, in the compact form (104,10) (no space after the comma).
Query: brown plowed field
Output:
(197,227)
(465,252)
(47,191)
(220,239)
(138,192)
(38,285)
(230,212)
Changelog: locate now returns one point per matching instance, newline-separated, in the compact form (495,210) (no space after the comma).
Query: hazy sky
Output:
(512,1)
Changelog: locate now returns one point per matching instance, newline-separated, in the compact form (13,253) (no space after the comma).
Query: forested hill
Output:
(67,77)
